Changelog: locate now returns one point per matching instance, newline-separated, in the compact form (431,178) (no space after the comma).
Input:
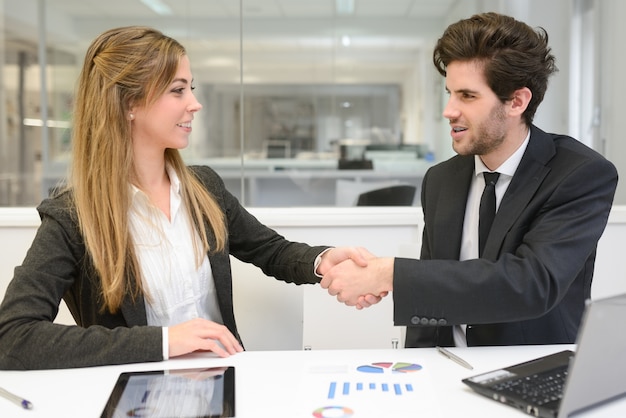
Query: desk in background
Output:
(287,182)
(290,182)
(293,384)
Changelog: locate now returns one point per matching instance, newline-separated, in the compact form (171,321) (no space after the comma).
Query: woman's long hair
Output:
(125,67)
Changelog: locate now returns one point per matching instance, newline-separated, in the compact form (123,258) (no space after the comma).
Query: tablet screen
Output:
(180,393)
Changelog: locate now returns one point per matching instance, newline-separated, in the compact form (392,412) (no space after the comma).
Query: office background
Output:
(300,86)
(291,86)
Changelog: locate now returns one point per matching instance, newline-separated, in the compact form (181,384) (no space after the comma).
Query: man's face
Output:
(478,118)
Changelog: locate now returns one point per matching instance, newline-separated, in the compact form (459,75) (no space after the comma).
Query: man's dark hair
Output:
(513,55)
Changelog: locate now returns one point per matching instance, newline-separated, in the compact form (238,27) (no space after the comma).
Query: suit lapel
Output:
(450,213)
(134,312)
(222,278)
(528,177)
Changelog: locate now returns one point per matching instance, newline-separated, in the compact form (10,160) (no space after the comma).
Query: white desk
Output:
(293,384)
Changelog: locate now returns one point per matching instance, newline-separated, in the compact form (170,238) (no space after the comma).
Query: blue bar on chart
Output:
(398,388)
(331,390)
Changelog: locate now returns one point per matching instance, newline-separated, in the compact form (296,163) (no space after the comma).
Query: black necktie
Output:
(487,209)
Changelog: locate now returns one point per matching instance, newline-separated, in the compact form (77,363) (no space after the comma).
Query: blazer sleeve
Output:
(252,242)
(54,267)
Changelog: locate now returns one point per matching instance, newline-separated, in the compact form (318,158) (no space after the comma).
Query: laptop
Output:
(565,383)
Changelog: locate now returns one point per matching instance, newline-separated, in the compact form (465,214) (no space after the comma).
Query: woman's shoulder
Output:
(207,176)
(203,171)
(58,205)
(60,208)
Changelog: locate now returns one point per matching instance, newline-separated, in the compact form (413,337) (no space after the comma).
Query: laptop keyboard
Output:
(537,389)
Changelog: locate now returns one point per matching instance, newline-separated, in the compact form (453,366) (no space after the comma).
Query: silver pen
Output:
(454,358)
(17,399)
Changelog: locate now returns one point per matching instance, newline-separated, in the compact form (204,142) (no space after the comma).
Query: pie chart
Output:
(389,367)
(333,412)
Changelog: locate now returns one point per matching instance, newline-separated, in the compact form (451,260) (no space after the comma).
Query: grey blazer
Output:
(531,285)
(57,267)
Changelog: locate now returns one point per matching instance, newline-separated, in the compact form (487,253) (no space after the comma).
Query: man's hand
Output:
(369,300)
(357,285)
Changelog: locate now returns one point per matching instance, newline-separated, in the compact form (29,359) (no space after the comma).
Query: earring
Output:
(131,116)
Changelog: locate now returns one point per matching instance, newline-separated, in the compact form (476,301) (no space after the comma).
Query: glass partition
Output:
(306,103)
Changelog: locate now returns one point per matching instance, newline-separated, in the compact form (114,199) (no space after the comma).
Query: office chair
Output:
(400,195)
(355,164)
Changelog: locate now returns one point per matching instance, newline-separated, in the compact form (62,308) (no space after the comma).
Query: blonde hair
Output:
(124,67)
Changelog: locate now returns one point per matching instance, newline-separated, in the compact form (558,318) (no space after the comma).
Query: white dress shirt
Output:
(469,241)
(176,290)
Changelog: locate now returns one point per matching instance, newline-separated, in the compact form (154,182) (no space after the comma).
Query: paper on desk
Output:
(376,389)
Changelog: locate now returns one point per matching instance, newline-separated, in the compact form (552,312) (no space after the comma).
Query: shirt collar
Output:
(174,180)
(174,183)
(509,166)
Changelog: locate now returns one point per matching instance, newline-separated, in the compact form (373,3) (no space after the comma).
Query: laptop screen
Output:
(594,375)
(598,369)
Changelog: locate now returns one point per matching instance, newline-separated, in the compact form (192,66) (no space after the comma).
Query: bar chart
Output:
(336,389)
(368,389)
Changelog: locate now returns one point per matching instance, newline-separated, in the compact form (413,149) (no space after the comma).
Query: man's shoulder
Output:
(566,147)
(571,150)
(454,164)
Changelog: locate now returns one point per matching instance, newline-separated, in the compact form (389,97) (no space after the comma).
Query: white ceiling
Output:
(256,8)
(288,41)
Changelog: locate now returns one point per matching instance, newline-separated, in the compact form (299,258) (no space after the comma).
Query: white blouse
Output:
(175,289)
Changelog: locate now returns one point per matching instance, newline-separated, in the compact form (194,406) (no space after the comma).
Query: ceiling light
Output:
(344,7)
(49,123)
(345,40)
(158,7)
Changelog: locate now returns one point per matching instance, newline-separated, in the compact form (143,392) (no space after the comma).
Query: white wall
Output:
(613,62)
(273,315)
(306,315)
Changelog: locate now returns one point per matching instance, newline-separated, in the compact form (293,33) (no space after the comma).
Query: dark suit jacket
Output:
(56,266)
(531,285)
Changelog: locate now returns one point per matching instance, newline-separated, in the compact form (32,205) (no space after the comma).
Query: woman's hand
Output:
(336,255)
(202,335)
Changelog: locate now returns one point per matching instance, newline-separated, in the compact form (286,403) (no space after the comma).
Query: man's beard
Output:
(490,134)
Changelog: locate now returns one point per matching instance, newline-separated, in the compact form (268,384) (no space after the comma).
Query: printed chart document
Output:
(381,388)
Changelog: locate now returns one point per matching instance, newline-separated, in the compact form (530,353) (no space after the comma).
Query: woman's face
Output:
(167,122)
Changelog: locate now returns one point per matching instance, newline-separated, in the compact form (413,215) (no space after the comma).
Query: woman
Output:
(138,244)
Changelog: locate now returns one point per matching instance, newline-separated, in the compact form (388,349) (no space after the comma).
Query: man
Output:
(553,197)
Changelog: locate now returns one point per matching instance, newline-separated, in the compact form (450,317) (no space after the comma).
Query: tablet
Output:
(176,393)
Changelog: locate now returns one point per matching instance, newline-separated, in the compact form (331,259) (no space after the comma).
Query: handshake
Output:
(355,276)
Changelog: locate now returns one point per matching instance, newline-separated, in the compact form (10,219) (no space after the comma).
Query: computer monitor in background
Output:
(277,148)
